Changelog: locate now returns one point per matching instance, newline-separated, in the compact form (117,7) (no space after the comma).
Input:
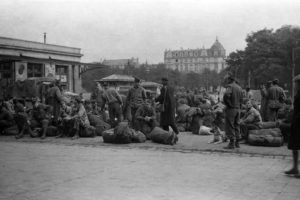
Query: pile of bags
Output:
(123,134)
(270,137)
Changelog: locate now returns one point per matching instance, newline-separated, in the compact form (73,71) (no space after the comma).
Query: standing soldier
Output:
(275,99)
(136,97)
(233,98)
(55,99)
(114,101)
(167,99)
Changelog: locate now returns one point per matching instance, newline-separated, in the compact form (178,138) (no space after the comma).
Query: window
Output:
(35,70)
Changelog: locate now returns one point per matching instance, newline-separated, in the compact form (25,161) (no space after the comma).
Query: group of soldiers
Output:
(143,110)
(72,117)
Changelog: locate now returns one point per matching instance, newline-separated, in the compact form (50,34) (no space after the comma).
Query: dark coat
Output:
(167,97)
(294,139)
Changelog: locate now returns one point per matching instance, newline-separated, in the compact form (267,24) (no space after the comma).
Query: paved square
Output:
(55,171)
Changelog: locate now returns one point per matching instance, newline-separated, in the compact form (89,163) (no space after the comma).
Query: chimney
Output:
(45,37)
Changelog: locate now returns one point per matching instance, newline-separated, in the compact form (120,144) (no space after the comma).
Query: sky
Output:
(144,29)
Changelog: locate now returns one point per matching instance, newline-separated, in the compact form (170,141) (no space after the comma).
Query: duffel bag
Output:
(268,125)
(108,136)
(51,131)
(102,127)
(88,131)
(13,130)
(123,133)
(181,112)
(265,137)
(161,136)
(138,137)
(95,119)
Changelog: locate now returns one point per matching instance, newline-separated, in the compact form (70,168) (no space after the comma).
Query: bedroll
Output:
(265,137)
(161,136)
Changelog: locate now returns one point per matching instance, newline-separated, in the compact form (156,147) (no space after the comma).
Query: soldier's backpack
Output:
(161,136)
(265,137)
(88,131)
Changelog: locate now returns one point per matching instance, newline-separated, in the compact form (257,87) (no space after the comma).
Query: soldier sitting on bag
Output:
(146,118)
(250,121)
(21,118)
(79,118)
(41,116)
(6,118)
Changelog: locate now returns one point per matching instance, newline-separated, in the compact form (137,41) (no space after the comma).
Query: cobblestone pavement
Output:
(46,170)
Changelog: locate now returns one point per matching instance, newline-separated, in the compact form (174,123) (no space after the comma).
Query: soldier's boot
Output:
(230,145)
(76,136)
(21,133)
(237,144)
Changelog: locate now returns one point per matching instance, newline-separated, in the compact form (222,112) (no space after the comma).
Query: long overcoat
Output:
(167,98)
(294,138)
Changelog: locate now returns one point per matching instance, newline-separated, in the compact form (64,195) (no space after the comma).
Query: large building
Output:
(196,60)
(121,63)
(21,59)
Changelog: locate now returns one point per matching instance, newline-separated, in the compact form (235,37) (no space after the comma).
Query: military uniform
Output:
(275,96)
(41,117)
(114,101)
(136,97)
(232,99)
(146,119)
(55,99)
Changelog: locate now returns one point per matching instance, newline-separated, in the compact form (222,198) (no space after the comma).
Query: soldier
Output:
(79,117)
(233,98)
(40,116)
(294,137)
(135,98)
(275,99)
(55,99)
(146,119)
(250,121)
(6,118)
(114,101)
(167,114)
(263,102)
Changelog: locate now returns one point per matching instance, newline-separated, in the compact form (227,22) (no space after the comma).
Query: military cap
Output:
(275,81)
(164,79)
(105,84)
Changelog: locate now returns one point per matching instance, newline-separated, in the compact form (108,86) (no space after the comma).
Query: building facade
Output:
(121,63)
(196,60)
(21,59)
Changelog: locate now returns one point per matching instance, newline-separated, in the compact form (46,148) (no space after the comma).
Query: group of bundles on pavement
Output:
(267,125)
(117,119)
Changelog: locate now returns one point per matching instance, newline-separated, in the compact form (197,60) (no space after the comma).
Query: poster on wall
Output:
(21,71)
(63,78)
(50,70)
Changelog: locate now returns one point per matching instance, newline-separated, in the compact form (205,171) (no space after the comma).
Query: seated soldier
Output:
(250,121)
(79,117)
(41,116)
(6,118)
(146,118)
(64,122)
(21,118)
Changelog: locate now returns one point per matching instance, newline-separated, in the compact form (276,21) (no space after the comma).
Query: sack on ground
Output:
(102,127)
(108,136)
(265,137)
(161,136)
(138,137)
(51,131)
(204,130)
(123,133)
(88,131)
(13,130)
